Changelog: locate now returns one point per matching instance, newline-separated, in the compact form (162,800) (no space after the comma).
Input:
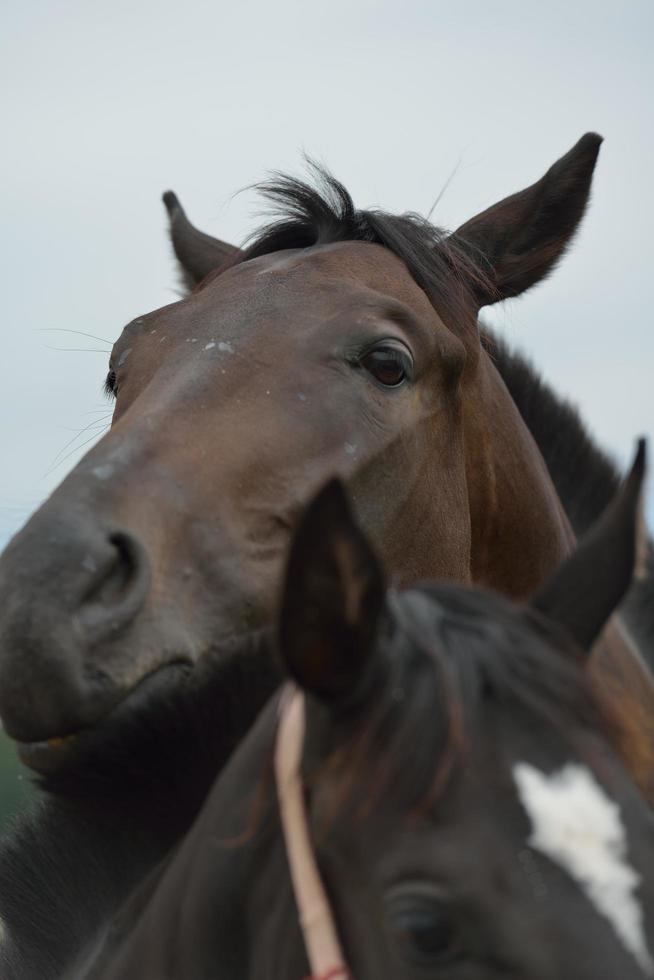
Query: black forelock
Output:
(321,211)
(498,652)
(458,656)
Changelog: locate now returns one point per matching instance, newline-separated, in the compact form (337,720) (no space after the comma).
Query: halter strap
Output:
(315,915)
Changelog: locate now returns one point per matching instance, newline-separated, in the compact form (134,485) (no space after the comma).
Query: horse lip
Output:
(59,753)
(48,756)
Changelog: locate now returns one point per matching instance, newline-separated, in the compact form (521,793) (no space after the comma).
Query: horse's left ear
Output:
(517,242)
(198,254)
(333,595)
(589,585)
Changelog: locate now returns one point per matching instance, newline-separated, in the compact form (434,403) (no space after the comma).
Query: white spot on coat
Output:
(209,346)
(103,472)
(89,564)
(579,827)
(350,448)
(225,345)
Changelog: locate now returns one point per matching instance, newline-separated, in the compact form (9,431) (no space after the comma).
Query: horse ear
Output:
(589,585)
(332,599)
(518,241)
(198,254)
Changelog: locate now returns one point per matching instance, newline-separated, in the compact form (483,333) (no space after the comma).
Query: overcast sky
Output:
(105,105)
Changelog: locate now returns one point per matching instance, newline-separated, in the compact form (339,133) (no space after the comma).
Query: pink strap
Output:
(338,971)
(316,922)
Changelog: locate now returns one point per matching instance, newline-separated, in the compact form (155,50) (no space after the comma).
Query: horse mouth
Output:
(51,755)
(63,753)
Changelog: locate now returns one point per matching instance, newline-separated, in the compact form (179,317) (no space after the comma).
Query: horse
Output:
(339,341)
(444,798)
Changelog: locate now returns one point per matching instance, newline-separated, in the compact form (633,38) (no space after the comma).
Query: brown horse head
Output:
(340,342)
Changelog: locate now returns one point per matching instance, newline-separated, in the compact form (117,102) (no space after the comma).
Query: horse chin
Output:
(66,753)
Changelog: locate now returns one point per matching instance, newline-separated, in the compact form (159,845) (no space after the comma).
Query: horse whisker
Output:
(96,423)
(72,452)
(93,422)
(90,350)
(78,332)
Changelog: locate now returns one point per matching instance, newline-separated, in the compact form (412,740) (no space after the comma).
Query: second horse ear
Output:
(518,241)
(198,254)
(588,586)
(332,599)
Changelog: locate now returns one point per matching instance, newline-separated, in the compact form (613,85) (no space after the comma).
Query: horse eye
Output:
(110,384)
(389,364)
(424,929)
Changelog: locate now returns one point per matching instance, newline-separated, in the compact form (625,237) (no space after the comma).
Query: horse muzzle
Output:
(69,590)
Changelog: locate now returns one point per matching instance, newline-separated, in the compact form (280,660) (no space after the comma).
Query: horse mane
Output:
(465,659)
(584,476)
(322,212)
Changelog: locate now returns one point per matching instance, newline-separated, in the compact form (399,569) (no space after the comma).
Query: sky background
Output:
(105,105)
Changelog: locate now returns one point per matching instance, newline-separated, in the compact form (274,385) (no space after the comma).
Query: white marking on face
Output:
(350,449)
(89,564)
(579,827)
(103,472)
(226,346)
(123,357)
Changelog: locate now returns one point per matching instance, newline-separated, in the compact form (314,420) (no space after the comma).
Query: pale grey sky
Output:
(107,104)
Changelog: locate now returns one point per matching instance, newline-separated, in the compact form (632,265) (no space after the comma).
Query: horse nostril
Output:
(119,588)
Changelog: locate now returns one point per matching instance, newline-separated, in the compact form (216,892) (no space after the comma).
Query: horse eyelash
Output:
(110,388)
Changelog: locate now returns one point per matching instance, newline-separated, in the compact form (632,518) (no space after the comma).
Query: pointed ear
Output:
(332,599)
(519,241)
(198,254)
(587,588)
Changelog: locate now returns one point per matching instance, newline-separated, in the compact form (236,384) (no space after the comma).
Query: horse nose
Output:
(117,585)
(70,589)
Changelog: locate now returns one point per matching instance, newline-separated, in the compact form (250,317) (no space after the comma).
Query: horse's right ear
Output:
(198,254)
(588,586)
(333,595)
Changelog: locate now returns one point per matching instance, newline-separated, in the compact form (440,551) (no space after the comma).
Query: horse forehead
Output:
(366,265)
(347,257)
(579,827)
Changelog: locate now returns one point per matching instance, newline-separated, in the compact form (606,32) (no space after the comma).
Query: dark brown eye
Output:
(389,364)
(425,931)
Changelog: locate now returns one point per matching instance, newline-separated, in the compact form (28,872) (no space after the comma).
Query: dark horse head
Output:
(469,813)
(341,341)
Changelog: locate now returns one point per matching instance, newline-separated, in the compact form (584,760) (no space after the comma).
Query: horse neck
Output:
(63,872)
(519,530)
(520,533)
(624,687)
(211,874)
